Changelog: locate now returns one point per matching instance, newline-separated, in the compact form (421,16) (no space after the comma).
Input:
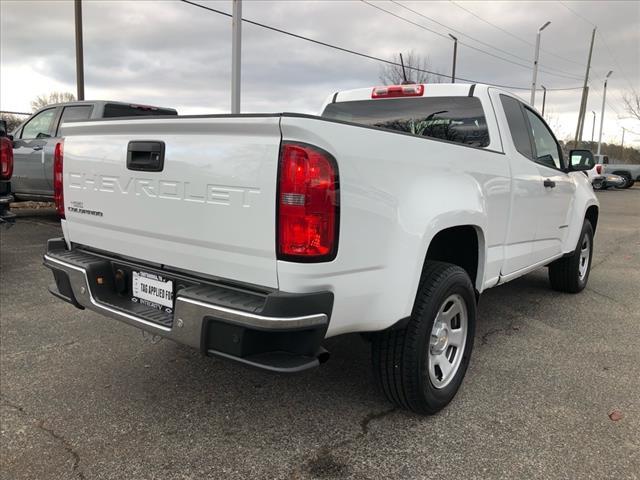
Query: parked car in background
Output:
(255,237)
(6,171)
(630,172)
(602,181)
(35,139)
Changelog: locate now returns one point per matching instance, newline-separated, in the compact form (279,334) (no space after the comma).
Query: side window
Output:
(547,150)
(40,125)
(75,113)
(517,125)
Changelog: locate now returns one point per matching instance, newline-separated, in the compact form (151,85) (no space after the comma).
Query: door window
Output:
(40,125)
(517,125)
(547,149)
(74,113)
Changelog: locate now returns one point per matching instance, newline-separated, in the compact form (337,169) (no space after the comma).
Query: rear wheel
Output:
(597,184)
(628,181)
(420,367)
(570,274)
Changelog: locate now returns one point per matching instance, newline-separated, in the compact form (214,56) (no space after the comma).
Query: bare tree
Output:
(12,120)
(54,97)
(416,67)
(632,104)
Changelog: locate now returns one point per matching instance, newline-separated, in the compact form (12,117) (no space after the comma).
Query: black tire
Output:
(400,356)
(627,177)
(564,273)
(597,184)
(627,181)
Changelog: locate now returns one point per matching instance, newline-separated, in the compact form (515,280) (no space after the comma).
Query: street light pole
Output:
(535,64)
(593,128)
(585,94)
(604,98)
(455,54)
(236,41)
(79,50)
(544,97)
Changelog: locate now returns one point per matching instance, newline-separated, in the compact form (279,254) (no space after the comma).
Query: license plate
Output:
(152,290)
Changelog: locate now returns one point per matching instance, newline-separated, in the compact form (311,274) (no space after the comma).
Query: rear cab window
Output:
(74,113)
(112,110)
(452,118)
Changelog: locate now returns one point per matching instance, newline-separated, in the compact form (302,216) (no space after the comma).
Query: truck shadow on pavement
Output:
(336,405)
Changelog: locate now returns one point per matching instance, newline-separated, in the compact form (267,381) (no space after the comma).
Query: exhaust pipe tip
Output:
(323,355)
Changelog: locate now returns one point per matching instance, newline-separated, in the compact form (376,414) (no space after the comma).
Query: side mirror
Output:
(580,160)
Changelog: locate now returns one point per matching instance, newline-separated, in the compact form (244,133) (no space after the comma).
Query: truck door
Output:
(559,189)
(28,154)
(527,190)
(71,113)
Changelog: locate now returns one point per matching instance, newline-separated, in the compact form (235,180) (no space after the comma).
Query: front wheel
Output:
(571,273)
(420,367)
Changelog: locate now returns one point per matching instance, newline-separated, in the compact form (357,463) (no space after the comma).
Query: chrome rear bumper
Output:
(276,331)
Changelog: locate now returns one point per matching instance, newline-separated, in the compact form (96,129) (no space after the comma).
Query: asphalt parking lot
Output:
(83,397)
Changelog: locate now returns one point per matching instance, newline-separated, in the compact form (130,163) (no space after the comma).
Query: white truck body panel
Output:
(213,208)
(210,211)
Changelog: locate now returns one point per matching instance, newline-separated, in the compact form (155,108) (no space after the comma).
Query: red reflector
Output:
(391,91)
(6,158)
(307,204)
(58,191)
(599,169)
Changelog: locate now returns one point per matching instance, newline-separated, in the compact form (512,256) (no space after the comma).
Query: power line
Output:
(480,41)
(576,13)
(528,67)
(615,60)
(604,41)
(513,35)
(360,54)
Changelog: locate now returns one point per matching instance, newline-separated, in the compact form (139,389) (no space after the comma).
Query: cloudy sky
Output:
(173,54)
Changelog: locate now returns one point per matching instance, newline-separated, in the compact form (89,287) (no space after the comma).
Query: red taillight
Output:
(307,204)
(6,158)
(391,91)
(599,169)
(58,190)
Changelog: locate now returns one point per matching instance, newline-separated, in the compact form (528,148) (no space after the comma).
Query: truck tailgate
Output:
(210,210)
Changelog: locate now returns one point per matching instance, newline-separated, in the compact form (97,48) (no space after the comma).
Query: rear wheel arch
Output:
(461,245)
(592,215)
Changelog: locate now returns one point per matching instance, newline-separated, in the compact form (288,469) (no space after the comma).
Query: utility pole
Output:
(604,98)
(544,97)
(236,43)
(455,54)
(622,145)
(585,94)
(535,64)
(79,50)
(593,128)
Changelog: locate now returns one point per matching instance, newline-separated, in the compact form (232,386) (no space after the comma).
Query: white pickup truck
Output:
(255,237)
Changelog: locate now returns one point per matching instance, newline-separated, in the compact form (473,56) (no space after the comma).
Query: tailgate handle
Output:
(145,156)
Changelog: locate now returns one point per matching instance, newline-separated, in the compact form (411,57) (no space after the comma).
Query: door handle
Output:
(145,156)
(36,148)
(549,183)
